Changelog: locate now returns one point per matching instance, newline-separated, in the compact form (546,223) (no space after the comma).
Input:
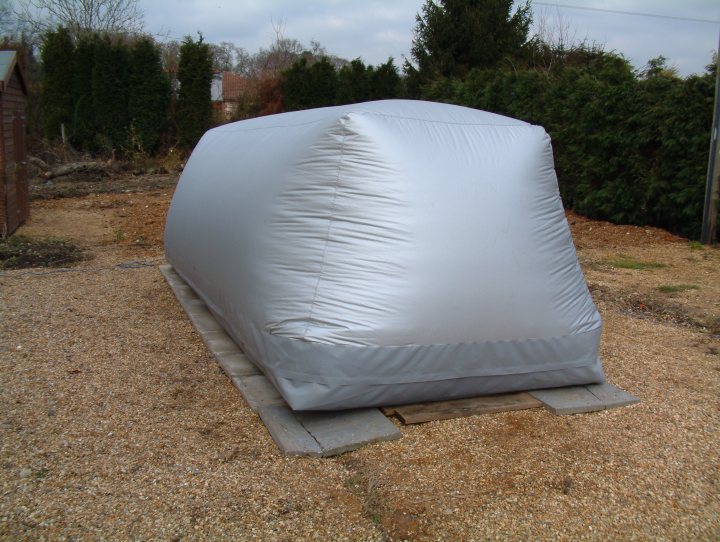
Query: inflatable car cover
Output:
(387,252)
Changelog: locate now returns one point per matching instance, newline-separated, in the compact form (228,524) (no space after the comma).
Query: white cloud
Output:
(377,29)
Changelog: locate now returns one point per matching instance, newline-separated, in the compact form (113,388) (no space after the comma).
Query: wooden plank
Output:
(389,410)
(458,408)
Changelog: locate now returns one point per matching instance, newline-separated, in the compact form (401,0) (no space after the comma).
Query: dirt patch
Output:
(589,233)
(85,185)
(134,221)
(138,220)
(675,281)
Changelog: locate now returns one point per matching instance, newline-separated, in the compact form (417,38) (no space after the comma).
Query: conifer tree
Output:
(110,83)
(84,125)
(385,81)
(149,95)
(454,36)
(194,110)
(57,82)
(353,83)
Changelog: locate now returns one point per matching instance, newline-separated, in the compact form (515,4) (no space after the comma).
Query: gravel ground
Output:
(117,424)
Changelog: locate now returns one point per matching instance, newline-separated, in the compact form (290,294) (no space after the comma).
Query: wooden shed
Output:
(14,192)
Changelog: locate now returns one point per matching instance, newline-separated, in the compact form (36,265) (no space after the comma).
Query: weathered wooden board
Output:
(444,410)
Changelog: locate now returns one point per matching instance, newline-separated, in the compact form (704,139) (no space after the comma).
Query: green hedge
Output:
(628,148)
(109,92)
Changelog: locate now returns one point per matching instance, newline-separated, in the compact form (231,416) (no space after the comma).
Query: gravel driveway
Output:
(117,424)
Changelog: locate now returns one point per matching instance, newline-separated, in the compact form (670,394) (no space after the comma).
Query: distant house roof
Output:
(8,63)
(232,85)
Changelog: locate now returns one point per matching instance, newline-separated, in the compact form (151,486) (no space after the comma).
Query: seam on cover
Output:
(377,114)
(274,126)
(331,220)
(430,377)
(441,375)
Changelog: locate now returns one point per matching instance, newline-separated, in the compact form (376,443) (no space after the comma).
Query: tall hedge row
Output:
(194,114)
(319,84)
(110,94)
(629,148)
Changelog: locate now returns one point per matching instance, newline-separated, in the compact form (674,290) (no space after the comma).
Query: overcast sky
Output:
(377,29)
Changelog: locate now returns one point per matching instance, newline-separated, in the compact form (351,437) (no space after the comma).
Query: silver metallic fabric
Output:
(387,252)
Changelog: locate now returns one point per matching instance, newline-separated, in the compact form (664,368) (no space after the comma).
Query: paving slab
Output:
(258,391)
(199,316)
(342,431)
(191,303)
(339,431)
(569,400)
(219,342)
(612,396)
(288,433)
(236,364)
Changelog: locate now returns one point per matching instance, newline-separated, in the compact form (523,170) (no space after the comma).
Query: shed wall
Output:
(14,192)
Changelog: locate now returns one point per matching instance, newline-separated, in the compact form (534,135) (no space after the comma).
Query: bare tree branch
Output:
(80,16)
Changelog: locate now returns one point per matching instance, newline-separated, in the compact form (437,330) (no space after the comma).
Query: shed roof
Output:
(8,63)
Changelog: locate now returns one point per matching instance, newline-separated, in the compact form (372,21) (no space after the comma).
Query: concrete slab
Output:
(205,322)
(190,301)
(612,396)
(570,400)
(346,430)
(236,364)
(287,432)
(198,314)
(339,431)
(169,273)
(219,342)
(258,391)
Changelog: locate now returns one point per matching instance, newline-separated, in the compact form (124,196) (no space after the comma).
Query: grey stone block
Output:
(205,322)
(198,313)
(612,396)
(345,430)
(258,391)
(287,432)
(183,291)
(171,276)
(236,364)
(319,433)
(219,342)
(192,302)
(569,400)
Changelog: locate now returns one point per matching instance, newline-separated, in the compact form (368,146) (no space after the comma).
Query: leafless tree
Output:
(224,55)
(80,16)
(555,41)
(280,56)
(7,19)
(243,61)
(170,55)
